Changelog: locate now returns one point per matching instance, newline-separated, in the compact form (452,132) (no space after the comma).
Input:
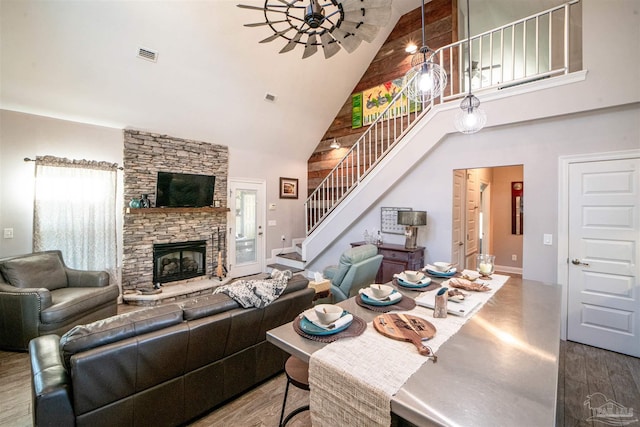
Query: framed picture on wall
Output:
(517,214)
(288,188)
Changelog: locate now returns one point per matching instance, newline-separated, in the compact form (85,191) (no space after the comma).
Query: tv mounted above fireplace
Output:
(178,190)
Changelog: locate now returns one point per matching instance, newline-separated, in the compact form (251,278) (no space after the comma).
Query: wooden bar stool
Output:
(297,373)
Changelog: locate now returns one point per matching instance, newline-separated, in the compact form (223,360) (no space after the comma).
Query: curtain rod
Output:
(27,159)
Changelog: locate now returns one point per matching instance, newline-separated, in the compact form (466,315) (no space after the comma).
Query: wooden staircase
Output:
(289,260)
(404,118)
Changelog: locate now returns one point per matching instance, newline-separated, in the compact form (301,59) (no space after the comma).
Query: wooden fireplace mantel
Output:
(138,211)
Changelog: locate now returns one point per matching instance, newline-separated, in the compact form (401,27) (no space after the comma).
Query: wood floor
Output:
(583,371)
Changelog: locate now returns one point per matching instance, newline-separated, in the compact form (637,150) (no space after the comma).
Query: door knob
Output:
(578,262)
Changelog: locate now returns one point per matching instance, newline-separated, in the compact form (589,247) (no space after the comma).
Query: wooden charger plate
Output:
(405,327)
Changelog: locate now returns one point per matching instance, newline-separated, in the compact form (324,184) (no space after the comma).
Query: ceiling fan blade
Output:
(348,41)
(348,5)
(310,48)
(246,6)
(329,45)
(266,8)
(260,24)
(275,36)
(292,43)
(378,16)
(363,31)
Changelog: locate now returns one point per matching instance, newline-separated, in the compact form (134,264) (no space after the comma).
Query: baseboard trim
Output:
(507,269)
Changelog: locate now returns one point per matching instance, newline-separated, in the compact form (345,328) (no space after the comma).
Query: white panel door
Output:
(458,227)
(472,205)
(604,232)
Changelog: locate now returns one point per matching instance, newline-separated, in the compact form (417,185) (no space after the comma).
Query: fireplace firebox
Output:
(179,261)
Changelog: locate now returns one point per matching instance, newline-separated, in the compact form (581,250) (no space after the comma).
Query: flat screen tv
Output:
(179,190)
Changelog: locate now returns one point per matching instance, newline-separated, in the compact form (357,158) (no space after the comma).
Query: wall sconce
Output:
(412,220)
(411,48)
(335,144)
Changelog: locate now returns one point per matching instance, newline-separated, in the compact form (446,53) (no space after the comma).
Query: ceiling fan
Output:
(331,24)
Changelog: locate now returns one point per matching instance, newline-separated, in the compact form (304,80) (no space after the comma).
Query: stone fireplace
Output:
(146,230)
(179,261)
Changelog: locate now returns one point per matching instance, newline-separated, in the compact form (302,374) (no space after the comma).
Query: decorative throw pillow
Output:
(40,270)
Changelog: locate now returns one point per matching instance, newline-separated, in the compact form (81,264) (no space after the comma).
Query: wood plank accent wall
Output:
(390,62)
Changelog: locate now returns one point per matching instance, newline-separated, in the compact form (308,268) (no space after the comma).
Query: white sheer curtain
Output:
(75,212)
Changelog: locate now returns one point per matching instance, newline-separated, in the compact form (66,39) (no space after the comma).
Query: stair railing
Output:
(529,49)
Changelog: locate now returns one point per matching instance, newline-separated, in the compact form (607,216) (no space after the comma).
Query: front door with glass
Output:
(246,248)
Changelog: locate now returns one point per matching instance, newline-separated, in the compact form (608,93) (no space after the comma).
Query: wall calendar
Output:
(389,220)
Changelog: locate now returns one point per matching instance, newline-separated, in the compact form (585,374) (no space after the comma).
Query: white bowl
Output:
(328,313)
(381,291)
(414,276)
(442,266)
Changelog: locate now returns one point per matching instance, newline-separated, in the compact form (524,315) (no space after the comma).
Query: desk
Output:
(501,368)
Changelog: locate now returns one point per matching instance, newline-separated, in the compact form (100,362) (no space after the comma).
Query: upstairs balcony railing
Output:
(532,48)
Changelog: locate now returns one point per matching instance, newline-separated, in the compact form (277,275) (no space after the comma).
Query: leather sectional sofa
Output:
(160,366)
(40,295)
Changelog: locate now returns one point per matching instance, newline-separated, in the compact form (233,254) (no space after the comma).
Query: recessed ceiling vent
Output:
(147,54)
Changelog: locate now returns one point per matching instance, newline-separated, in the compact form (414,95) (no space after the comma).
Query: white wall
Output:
(25,135)
(288,213)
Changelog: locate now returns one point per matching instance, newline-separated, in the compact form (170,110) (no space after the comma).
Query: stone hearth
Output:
(172,293)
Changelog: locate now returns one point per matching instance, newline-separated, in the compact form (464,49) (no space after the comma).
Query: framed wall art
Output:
(368,105)
(288,188)
(517,214)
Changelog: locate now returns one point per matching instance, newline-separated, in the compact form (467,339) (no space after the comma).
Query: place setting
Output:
(441,269)
(414,281)
(383,298)
(327,323)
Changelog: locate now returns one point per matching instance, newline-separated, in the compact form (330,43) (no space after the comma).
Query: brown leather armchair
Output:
(40,295)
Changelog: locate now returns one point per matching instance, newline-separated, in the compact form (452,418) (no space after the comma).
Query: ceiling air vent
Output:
(147,54)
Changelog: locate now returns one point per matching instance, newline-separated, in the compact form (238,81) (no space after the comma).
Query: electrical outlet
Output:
(282,238)
(514,257)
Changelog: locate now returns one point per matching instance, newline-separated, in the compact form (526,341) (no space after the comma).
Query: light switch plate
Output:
(272,223)
(547,239)
(8,233)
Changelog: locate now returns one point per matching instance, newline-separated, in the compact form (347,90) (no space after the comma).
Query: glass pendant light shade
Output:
(425,80)
(471,118)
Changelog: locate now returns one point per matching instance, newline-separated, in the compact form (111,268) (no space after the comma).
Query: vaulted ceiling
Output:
(77,60)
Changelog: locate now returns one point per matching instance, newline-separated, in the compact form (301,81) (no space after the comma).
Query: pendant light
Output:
(471,118)
(425,80)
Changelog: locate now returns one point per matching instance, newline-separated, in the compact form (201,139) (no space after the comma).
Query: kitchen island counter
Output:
(500,368)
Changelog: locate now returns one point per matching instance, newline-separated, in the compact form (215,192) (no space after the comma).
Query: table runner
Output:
(352,380)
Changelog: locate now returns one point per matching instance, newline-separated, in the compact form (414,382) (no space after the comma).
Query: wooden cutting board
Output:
(405,327)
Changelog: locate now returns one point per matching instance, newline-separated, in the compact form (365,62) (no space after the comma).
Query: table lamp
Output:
(412,219)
